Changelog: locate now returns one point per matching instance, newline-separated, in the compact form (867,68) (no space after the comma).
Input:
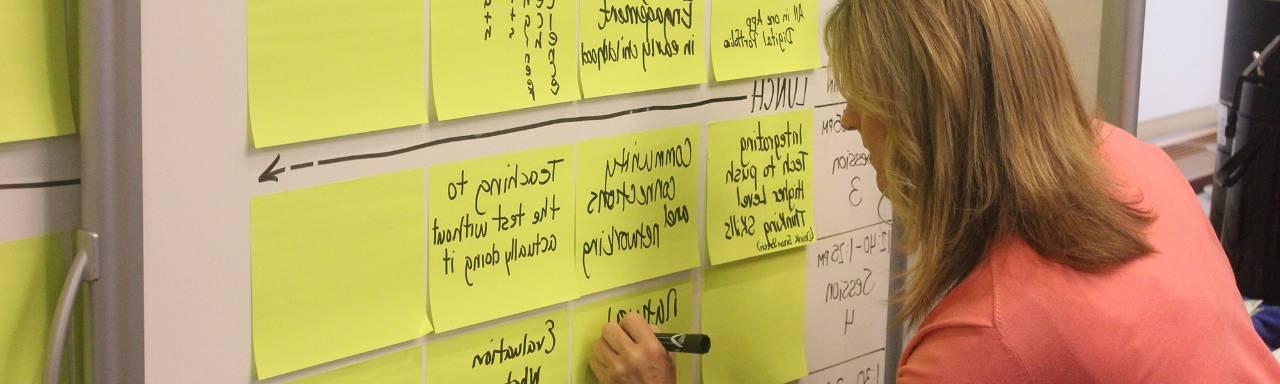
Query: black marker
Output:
(685,342)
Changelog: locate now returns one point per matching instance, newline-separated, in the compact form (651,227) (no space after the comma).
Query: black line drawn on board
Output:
(272,172)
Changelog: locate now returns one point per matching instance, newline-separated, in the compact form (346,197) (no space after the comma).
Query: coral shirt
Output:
(1174,316)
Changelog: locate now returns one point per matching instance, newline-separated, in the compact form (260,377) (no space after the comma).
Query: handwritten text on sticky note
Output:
(763,37)
(637,194)
(533,349)
(759,177)
(493,56)
(637,45)
(501,235)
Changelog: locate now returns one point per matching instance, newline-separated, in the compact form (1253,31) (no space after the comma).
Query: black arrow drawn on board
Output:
(270,173)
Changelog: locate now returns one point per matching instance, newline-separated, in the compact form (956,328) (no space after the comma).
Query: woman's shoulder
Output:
(1134,163)
(1129,322)
(1047,320)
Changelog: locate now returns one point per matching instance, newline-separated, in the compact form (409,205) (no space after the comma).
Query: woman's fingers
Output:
(630,353)
(602,351)
(641,333)
(607,364)
(601,371)
(616,338)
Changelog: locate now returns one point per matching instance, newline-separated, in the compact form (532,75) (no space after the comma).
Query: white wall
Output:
(1181,56)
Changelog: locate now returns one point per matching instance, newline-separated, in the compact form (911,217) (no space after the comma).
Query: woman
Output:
(1048,247)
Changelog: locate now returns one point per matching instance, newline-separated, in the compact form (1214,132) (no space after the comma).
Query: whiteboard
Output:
(200,172)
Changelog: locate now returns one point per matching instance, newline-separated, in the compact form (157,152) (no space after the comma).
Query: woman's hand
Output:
(631,354)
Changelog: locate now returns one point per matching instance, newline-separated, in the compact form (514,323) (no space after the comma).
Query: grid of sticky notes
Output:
(324,69)
(346,268)
(337,270)
(35,77)
(31,274)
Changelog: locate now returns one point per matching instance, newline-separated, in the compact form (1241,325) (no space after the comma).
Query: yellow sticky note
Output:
(533,349)
(337,270)
(322,69)
(639,45)
(35,82)
(754,312)
(669,307)
(400,367)
(501,236)
(762,37)
(638,194)
(759,178)
(494,56)
(31,274)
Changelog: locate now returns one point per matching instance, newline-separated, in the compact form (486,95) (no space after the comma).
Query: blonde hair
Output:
(985,136)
